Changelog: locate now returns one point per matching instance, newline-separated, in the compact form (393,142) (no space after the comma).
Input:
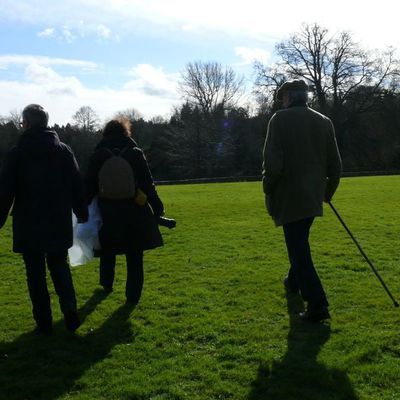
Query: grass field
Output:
(214,321)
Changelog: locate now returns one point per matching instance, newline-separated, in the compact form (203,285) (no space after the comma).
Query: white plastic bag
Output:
(86,236)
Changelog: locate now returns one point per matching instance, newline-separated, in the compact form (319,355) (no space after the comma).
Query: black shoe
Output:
(131,302)
(315,315)
(72,322)
(107,288)
(288,287)
(45,330)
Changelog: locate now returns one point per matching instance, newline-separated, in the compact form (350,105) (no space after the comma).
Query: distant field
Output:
(214,322)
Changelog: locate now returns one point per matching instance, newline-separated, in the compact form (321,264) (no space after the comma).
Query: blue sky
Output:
(120,54)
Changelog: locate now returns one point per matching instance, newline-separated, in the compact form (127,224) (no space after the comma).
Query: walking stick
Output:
(395,303)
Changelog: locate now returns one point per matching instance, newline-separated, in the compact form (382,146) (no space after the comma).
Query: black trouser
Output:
(302,274)
(134,278)
(35,263)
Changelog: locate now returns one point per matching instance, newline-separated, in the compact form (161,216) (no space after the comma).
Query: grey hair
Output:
(297,96)
(35,115)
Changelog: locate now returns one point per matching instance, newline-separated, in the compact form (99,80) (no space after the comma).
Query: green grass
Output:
(213,321)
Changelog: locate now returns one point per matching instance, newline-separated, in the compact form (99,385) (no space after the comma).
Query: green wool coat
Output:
(302,164)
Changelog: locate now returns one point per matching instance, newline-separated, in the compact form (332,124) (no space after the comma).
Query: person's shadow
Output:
(39,367)
(299,376)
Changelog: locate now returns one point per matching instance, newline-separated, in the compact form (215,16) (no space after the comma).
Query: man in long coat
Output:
(40,179)
(301,169)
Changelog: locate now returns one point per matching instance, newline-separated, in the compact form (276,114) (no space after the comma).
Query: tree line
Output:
(213,134)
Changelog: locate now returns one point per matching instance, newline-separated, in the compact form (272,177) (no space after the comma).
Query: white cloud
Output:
(249,55)
(47,33)
(52,82)
(254,19)
(67,35)
(81,30)
(152,81)
(100,31)
(147,88)
(61,106)
(15,59)
(70,34)
(150,91)
(103,31)
(40,74)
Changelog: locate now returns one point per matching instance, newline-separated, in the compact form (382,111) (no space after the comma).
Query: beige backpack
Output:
(116,177)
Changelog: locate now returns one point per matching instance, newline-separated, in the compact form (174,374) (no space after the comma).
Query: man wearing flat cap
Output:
(301,169)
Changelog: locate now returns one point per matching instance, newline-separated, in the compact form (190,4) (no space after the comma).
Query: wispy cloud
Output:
(101,31)
(80,30)
(47,33)
(16,59)
(250,55)
(67,34)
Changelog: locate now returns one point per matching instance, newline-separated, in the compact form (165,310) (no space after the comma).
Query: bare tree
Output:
(305,55)
(86,119)
(14,116)
(335,67)
(208,85)
(268,80)
(356,74)
(130,113)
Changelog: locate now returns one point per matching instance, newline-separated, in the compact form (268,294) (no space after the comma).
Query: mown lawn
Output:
(214,321)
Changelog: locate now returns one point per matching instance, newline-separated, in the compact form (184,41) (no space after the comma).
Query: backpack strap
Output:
(116,151)
(124,150)
(108,150)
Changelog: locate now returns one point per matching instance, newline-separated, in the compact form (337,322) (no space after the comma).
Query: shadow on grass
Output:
(39,367)
(299,375)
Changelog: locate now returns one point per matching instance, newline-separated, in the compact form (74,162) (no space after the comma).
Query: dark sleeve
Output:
(334,164)
(146,183)
(79,204)
(272,157)
(8,184)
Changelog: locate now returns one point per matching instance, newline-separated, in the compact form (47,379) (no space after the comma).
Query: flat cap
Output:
(296,84)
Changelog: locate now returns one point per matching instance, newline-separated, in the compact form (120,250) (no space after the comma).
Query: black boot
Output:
(72,322)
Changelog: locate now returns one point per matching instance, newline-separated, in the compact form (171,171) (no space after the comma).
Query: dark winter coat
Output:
(126,225)
(40,178)
(302,164)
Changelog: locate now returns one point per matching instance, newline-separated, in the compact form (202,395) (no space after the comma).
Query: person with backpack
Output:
(40,180)
(119,175)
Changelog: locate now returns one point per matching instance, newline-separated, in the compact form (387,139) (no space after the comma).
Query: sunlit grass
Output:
(213,321)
